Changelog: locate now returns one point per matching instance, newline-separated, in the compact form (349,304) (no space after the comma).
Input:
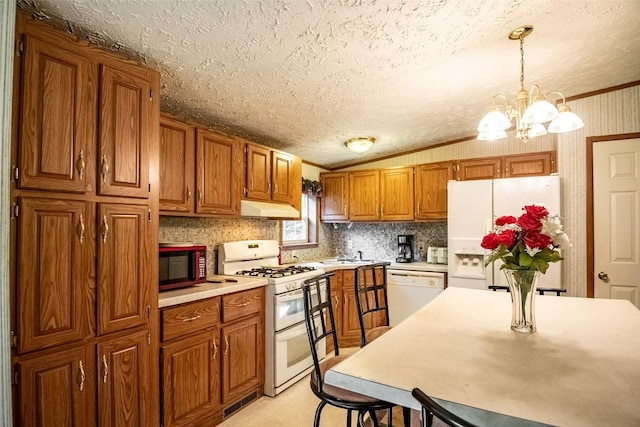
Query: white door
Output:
(616,217)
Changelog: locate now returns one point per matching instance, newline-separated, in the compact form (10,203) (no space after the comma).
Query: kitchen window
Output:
(302,232)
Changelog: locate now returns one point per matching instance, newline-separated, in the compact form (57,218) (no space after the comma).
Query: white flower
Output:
(552,227)
(532,251)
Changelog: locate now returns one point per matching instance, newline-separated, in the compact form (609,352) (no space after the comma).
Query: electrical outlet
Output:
(422,245)
(349,243)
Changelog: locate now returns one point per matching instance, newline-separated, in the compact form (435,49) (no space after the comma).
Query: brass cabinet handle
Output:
(80,164)
(226,345)
(105,168)
(106,369)
(199,195)
(418,207)
(345,208)
(337,300)
(215,348)
(82,376)
(243,304)
(275,186)
(191,319)
(188,193)
(269,188)
(81,229)
(382,210)
(105,229)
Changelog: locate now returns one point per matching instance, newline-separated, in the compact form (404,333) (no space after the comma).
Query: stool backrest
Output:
(371,297)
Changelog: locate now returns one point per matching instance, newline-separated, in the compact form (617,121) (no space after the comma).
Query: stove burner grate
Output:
(274,272)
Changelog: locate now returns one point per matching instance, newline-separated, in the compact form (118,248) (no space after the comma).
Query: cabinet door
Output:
(243,357)
(396,194)
(124,379)
(281,177)
(486,168)
(177,164)
(349,323)
(190,378)
(532,164)
(335,196)
(57,123)
(431,190)
(364,189)
(125,114)
(54,390)
(54,285)
(123,266)
(218,173)
(258,183)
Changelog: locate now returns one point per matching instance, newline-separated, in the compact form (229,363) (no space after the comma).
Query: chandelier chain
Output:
(521,62)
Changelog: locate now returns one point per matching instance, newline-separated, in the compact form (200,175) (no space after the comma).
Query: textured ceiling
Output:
(306,75)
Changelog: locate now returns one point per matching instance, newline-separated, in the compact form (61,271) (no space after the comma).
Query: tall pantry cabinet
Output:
(84,233)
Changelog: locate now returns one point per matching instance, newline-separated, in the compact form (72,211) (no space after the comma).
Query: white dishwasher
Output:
(409,290)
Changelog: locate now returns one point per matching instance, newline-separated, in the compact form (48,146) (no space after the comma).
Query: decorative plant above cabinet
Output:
(311,187)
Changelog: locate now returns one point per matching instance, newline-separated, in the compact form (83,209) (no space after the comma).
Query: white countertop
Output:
(327,265)
(582,367)
(209,289)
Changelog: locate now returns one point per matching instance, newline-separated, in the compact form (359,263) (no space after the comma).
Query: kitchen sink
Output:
(347,261)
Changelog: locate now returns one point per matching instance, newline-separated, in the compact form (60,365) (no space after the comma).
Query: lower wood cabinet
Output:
(211,357)
(191,379)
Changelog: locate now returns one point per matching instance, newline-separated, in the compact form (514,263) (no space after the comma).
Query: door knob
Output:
(603,276)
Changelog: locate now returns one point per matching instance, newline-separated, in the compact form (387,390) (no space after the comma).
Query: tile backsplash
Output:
(375,240)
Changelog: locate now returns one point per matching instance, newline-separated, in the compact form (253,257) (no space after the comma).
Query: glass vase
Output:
(522,286)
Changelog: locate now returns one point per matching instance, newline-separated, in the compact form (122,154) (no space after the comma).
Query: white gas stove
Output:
(287,352)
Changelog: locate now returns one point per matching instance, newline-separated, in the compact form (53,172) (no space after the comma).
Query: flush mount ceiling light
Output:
(530,110)
(360,144)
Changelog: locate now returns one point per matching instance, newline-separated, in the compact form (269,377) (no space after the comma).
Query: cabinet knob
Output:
(81,229)
(105,168)
(215,348)
(105,368)
(80,164)
(188,193)
(105,229)
(226,345)
(82,375)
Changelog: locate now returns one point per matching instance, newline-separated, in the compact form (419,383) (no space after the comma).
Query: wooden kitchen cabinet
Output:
(125,105)
(431,190)
(84,233)
(269,175)
(177,166)
(529,164)
(242,338)
(191,379)
(57,131)
(55,389)
(218,173)
(124,260)
(396,194)
(53,272)
(364,195)
(124,381)
(335,196)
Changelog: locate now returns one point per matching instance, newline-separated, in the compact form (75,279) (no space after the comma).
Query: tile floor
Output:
(294,407)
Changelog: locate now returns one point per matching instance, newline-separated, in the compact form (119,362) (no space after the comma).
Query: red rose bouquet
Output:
(529,242)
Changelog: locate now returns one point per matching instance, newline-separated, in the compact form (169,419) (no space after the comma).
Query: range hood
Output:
(249,208)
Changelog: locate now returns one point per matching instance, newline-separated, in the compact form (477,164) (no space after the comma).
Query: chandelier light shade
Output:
(360,144)
(530,110)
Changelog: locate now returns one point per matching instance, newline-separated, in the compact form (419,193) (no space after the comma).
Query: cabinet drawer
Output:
(184,319)
(240,304)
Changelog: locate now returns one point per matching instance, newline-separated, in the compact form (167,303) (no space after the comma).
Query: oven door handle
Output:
(291,296)
(296,331)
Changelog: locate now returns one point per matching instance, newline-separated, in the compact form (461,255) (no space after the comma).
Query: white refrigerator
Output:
(473,206)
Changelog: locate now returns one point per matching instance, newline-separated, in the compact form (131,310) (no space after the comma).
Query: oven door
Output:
(289,308)
(293,353)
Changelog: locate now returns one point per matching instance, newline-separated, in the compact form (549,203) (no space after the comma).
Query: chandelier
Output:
(360,144)
(530,110)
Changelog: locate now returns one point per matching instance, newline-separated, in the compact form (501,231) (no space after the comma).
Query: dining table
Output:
(580,368)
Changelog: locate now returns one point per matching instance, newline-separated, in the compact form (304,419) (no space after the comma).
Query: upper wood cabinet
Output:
(125,104)
(218,173)
(396,194)
(177,163)
(531,164)
(57,125)
(512,166)
(269,175)
(381,195)
(335,196)
(431,190)
(485,168)
(364,195)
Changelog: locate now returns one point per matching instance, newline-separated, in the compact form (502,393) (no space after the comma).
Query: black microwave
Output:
(181,266)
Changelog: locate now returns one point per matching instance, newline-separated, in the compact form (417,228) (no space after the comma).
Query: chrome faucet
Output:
(360,255)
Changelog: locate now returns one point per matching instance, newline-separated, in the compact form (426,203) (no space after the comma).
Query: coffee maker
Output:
(405,248)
